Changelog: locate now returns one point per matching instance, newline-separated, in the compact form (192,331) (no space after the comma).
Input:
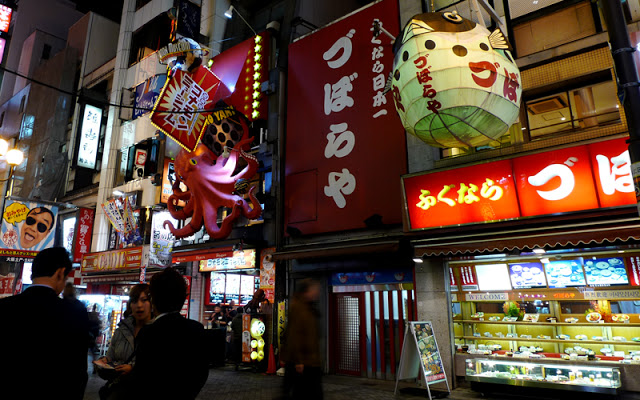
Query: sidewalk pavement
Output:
(227,383)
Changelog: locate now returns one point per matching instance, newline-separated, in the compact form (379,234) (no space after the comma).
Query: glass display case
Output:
(597,379)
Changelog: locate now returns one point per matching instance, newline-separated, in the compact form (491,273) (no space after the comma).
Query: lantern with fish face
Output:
(454,84)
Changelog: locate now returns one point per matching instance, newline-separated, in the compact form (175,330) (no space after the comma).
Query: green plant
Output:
(512,309)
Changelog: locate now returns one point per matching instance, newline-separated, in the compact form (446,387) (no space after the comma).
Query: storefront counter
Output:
(628,372)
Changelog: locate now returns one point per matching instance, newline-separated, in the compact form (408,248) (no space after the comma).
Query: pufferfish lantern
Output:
(454,83)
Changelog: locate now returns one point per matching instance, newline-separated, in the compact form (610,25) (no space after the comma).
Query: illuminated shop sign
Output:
(147,94)
(5,18)
(240,259)
(573,179)
(89,137)
(113,260)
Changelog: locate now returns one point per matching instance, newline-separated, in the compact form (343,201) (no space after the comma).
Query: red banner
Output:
(633,270)
(345,144)
(572,179)
(468,279)
(112,260)
(187,92)
(84,231)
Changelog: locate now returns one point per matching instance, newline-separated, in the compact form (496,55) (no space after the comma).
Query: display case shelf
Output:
(551,324)
(519,339)
(573,377)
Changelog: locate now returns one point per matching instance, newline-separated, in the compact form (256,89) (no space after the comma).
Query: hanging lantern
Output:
(454,83)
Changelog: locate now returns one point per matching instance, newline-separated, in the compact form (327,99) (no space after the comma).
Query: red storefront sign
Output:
(555,181)
(468,279)
(611,170)
(199,255)
(633,270)
(83,235)
(572,179)
(481,193)
(452,280)
(244,67)
(345,143)
(113,260)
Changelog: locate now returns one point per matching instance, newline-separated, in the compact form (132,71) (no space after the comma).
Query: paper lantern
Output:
(257,328)
(454,83)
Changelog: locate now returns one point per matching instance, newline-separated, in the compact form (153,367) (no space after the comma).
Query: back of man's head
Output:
(168,291)
(48,261)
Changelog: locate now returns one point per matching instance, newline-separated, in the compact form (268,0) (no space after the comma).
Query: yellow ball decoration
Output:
(260,344)
(254,344)
(254,355)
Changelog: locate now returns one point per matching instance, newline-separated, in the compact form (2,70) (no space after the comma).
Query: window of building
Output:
(22,101)
(150,38)
(141,3)
(571,110)
(46,52)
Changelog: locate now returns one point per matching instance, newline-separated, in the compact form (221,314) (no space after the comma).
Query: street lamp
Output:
(13,157)
(229,15)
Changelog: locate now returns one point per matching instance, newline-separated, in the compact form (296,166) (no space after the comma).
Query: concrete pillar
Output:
(432,297)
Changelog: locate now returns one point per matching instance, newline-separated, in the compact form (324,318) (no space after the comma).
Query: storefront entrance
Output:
(366,331)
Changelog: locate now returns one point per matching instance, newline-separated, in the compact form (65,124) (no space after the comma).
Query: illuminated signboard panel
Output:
(555,181)
(241,259)
(572,179)
(481,193)
(5,18)
(493,277)
(2,45)
(565,273)
(527,275)
(611,171)
(89,137)
(606,271)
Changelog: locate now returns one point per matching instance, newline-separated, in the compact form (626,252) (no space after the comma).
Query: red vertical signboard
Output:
(345,144)
(83,235)
(468,279)
(633,270)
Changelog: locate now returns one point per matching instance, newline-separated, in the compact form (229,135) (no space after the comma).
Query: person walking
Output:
(42,332)
(171,360)
(120,357)
(301,348)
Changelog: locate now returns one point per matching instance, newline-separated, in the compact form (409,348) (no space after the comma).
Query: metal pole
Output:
(628,82)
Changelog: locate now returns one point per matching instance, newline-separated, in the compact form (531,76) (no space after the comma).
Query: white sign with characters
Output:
(89,137)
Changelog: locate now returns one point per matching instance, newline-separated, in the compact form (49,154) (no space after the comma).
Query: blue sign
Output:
(147,94)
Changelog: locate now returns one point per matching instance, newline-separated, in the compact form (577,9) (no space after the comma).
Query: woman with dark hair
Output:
(121,354)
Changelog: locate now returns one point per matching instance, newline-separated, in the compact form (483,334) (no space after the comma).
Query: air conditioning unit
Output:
(547,105)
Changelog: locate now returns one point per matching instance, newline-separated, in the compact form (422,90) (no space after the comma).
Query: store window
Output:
(571,110)
(150,38)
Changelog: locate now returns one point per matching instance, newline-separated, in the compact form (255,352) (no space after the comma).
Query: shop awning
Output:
(337,250)
(583,234)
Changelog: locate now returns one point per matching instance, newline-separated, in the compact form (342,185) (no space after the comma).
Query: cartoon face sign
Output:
(36,227)
(454,83)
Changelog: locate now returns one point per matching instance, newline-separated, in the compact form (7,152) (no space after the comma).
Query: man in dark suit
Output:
(44,338)
(171,358)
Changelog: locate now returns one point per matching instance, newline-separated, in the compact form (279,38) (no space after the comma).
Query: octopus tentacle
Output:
(257,208)
(192,227)
(227,224)
(187,211)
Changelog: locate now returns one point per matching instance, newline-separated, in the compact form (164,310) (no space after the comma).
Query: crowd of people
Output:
(159,358)
(155,352)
